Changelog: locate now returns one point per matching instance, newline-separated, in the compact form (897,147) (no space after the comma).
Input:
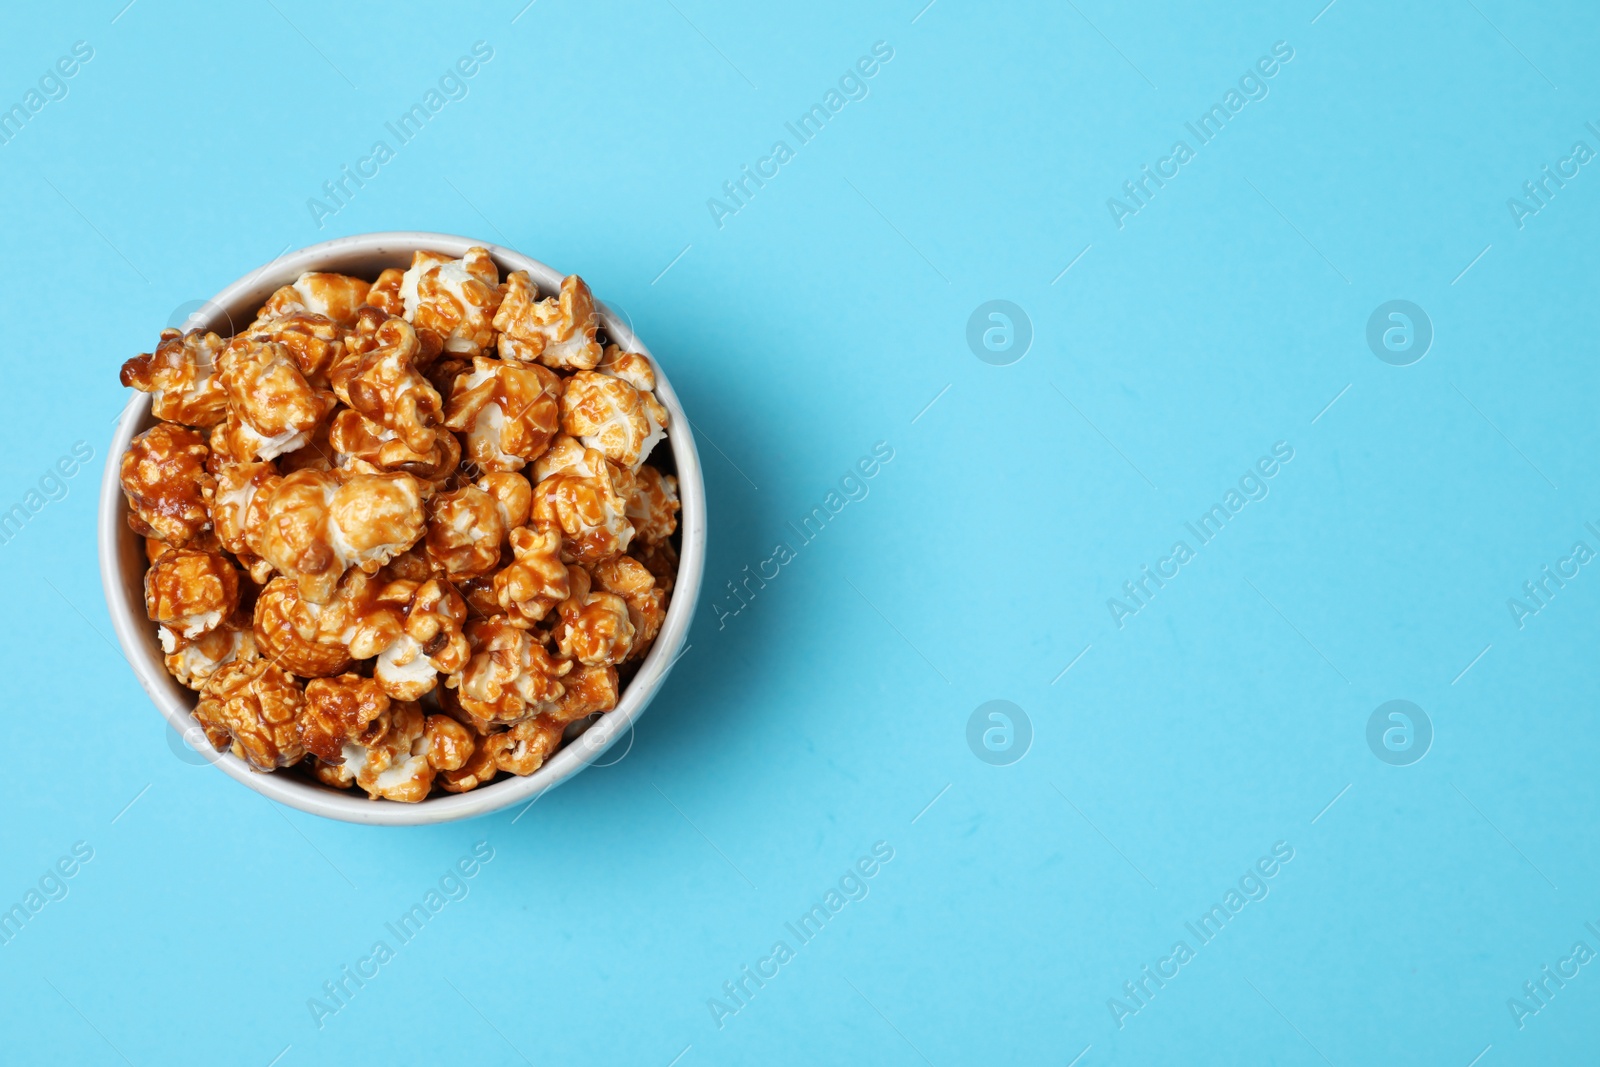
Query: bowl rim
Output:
(238,302)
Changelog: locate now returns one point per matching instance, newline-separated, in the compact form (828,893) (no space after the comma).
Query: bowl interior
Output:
(122,556)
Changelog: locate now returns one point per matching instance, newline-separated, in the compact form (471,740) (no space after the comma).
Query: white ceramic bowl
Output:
(122,558)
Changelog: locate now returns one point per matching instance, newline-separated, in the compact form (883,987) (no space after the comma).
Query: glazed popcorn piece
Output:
(337,712)
(165,480)
(594,628)
(453,298)
(315,341)
(334,296)
(466,530)
(297,635)
(392,763)
(385,293)
(193,663)
(510,676)
(653,506)
(558,332)
(631,367)
(478,769)
(272,407)
(450,744)
(317,524)
(380,477)
(610,415)
(524,748)
(633,582)
(590,691)
(188,592)
(432,641)
(513,496)
(591,515)
(509,412)
(182,378)
(536,579)
(255,706)
(384,384)
(235,510)
(358,444)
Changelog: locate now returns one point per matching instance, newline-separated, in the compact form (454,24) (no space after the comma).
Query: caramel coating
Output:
(478,769)
(335,296)
(524,748)
(385,293)
(364,446)
(384,384)
(193,663)
(465,532)
(181,376)
(272,407)
(189,592)
(168,488)
(593,628)
(510,676)
(317,524)
(633,582)
(653,506)
(631,367)
(591,515)
(610,415)
(536,580)
(391,761)
(509,412)
(315,341)
(257,706)
(558,331)
(590,690)
(456,299)
(296,634)
(338,711)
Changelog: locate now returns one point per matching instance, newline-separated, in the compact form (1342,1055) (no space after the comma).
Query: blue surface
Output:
(1225,718)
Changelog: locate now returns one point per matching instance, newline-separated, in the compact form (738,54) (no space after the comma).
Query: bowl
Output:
(122,556)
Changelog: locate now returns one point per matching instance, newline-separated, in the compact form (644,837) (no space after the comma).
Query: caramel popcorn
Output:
(510,677)
(383,384)
(315,341)
(558,332)
(181,376)
(509,412)
(466,529)
(594,628)
(590,514)
(194,662)
(632,581)
(164,477)
(376,487)
(334,296)
(272,408)
(536,579)
(610,415)
(338,712)
(453,298)
(257,706)
(524,748)
(188,592)
(653,506)
(293,633)
(317,524)
(589,691)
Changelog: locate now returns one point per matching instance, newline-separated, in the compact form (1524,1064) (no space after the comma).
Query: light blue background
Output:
(822,318)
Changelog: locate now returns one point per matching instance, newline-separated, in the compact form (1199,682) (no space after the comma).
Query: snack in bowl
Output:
(403,533)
